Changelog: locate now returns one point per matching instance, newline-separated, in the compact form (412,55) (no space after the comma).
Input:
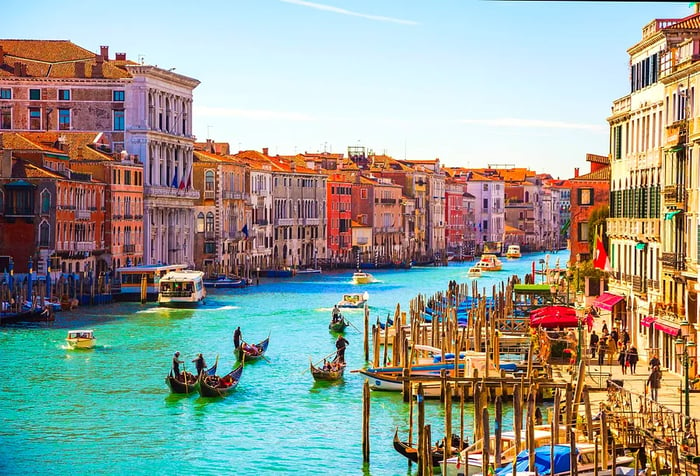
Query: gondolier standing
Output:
(237,337)
(340,344)
(200,364)
(176,364)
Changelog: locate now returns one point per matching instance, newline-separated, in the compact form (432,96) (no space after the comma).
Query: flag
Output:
(174,184)
(600,257)
(182,183)
(244,230)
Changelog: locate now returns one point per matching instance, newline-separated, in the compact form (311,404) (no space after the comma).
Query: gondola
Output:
(437,451)
(338,324)
(251,351)
(189,383)
(215,386)
(327,375)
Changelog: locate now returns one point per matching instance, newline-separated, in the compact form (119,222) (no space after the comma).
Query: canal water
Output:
(109,411)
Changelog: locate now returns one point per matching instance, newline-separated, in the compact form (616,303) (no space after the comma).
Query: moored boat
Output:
(309,271)
(354,300)
(330,371)
(225,282)
(252,351)
(81,339)
(182,289)
(437,452)
(215,386)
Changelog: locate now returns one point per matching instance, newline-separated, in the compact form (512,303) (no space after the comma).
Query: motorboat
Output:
(489,262)
(513,252)
(223,281)
(309,271)
(81,339)
(362,277)
(182,289)
(474,272)
(354,300)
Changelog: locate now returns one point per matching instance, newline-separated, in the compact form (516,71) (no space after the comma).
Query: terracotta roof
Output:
(688,23)
(602,174)
(598,159)
(54,59)
(79,145)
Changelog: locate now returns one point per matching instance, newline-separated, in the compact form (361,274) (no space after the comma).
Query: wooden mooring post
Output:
(365,422)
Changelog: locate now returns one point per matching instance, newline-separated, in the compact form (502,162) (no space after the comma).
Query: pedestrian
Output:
(625,337)
(176,364)
(237,337)
(633,358)
(340,344)
(612,349)
(622,359)
(593,343)
(654,362)
(605,328)
(602,347)
(615,335)
(199,364)
(654,382)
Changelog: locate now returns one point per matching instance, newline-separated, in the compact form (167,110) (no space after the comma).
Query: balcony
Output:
(638,284)
(129,249)
(673,261)
(208,195)
(284,221)
(675,195)
(229,195)
(158,191)
(311,221)
(261,222)
(385,201)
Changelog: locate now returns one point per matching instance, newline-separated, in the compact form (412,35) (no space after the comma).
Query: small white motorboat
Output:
(354,300)
(361,277)
(474,272)
(81,339)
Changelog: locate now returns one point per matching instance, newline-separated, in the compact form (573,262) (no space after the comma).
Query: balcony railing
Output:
(208,194)
(674,261)
(129,248)
(160,191)
(284,221)
(311,221)
(675,194)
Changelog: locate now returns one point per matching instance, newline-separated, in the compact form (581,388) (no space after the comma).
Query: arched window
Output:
(45,202)
(209,225)
(200,222)
(209,181)
(44,234)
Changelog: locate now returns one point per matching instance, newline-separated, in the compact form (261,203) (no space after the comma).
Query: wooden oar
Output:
(353,325)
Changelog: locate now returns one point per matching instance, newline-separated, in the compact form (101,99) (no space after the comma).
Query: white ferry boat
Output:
(182,289)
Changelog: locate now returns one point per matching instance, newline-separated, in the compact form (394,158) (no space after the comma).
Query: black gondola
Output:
(188,383)
(437,451)
(327,375)
(215,386)
(251,351)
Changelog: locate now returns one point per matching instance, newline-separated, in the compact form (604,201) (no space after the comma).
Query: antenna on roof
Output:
(142,58)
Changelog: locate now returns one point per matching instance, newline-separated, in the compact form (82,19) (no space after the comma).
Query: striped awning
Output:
(667,328)
(647,321)
(607,301)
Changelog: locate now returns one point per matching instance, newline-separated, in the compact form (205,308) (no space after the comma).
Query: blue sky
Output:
(471,82)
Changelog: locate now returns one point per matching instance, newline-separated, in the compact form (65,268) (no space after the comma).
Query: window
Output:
(35,94)
(5,118)
(5,93)
(585,196)
(363,193)
(118,96)
(64,119)
(45,202)
(34,118)
(44,234)
(64,94)
(200,223)
(209,223)
(118,120)
(209,181)
(210,248)
(583,231)
(486,203)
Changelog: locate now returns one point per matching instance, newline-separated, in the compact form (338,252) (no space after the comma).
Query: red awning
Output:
(606,301)
(647,321)
(669,329)
(551,317)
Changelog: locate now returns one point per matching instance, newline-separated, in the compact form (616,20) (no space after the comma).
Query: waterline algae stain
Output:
(107,410)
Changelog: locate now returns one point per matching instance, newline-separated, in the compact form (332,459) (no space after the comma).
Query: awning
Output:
(641,246)
(551,317)
(647,321)
(672,214)
(667,328)
(606,301)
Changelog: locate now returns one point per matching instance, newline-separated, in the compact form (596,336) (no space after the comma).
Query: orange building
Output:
(588,192)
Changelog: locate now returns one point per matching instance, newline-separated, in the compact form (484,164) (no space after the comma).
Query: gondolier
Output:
(340,344)
(237,337)
(176,364)
(200,364)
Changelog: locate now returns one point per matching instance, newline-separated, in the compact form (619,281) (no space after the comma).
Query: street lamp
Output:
(685,351)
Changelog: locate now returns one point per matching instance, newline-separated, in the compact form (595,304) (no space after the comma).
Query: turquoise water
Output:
(108,410)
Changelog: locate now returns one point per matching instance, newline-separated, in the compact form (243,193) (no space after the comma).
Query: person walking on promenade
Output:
(633,358)
(654,382)
(654,362)
(622,359)
(593,343)
(602,347)
(612,349)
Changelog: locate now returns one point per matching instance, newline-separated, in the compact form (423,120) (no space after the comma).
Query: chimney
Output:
(6,164)
(120,56)
(18,68)
(576,172)
(79,69)
(97,68)
(2,56)
(265,151)
(104,52)
(293,166)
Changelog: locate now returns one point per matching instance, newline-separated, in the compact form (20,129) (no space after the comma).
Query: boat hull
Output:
(81,343)
(184,388)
